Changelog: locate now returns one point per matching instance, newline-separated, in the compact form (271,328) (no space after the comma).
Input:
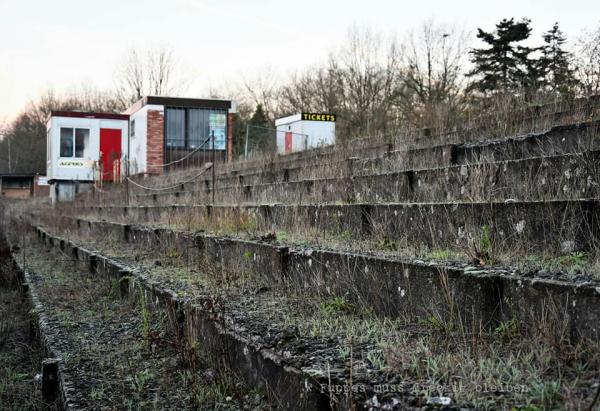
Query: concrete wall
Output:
(390,286)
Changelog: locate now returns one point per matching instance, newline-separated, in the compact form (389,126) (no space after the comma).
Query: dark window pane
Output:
(176,127)
(82,137)
(66,142)
(197,128)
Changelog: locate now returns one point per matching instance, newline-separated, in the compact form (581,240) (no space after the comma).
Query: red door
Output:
(110,150)
(288,142)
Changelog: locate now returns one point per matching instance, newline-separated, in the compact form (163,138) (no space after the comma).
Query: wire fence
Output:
(262,141)
(207,166)
(177,166)
(185,161)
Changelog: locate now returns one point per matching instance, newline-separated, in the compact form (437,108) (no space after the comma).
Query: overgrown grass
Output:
(498,368)
(20,353)
(439,354)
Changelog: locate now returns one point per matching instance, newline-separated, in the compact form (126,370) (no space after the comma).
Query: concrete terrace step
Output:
(92,328)
(195,321)
(560,177)
(363,149)
(491,294)
(550,226)
(417,140)
(557,141)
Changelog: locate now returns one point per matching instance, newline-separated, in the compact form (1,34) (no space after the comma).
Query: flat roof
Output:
(180,102)
(288,119)
(89,114)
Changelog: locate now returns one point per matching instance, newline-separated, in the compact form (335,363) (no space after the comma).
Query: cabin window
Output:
(176,127)
(192,128)
(82,136)
(66,142)
(74,142)
(197,128)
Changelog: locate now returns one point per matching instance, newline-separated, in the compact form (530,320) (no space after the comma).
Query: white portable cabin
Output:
(80,147)
(304,130)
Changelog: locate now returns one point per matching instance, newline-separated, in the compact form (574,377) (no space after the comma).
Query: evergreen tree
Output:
(554,62)
(261,137)
(259,118)
(504,65)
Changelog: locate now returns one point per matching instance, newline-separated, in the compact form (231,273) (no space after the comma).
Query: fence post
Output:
(246,145)
(127,180)
(213,166)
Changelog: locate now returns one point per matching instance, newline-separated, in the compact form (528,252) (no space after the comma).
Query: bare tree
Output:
(588,62)
(315,89)
(152,72)
(368,67)
(433,95)
(261,88)
(161,70)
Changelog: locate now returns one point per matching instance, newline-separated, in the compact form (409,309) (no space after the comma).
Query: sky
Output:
(65,44)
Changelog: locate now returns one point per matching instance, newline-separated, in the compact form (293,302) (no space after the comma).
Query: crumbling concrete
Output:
(526,226)
(392,286)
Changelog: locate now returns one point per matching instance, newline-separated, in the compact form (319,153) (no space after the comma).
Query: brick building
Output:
(150,136)
(166,129)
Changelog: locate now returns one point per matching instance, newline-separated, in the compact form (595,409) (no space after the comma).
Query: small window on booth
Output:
(74,142)
(82,138)
(66,142)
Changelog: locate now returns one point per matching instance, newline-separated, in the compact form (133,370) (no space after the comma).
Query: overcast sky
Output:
(62,44)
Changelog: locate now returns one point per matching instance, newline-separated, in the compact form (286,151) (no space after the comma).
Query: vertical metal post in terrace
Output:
(213,165)
(127,180)
(24,244)
(246,145)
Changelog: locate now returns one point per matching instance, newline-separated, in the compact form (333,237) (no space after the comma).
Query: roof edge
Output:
(89,114)
(209,103)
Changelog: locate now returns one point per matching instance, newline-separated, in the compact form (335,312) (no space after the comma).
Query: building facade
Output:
(148,138)
(163,130)
(21,186)
(304,130)
(84,147)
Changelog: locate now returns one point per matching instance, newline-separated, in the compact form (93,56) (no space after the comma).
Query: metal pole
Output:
(9,165)
(127,162)
(246,145)
(213,166)
(127,180)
